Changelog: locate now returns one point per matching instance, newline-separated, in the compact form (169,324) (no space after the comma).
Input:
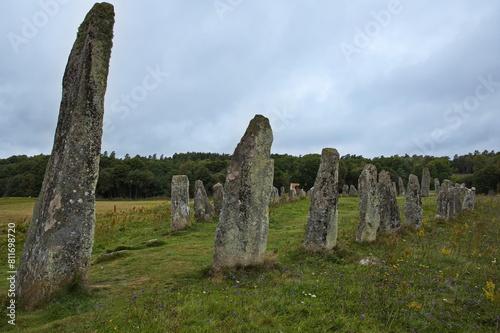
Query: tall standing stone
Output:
(181,217)
(203,210)
(59,244)
(401,185)
(459,197)
(369,201)
(218,198)
(445,202)
(413,203)
(389,210)
(241,235)
(436,186)
(426,182)
(322,224)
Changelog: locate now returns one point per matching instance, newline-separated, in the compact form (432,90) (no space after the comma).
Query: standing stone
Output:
(311,192)
(436,186)
(283,195)
(59,244)
(303,194)
(369,201)
(469,199)
(180,202)
(345,190)
(426,182)
(459,197)
(218,197)
(292,194)
(402,190)
(389,210)
(352,191)
(322,224)
(203,210)
(241,235)
(413,203)
(445,202)
(275,196)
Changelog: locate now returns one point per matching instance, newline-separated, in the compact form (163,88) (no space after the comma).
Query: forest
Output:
(150,176)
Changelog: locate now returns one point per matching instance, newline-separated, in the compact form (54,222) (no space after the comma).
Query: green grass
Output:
(145,278)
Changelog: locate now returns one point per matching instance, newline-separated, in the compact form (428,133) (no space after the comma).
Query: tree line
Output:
(151,176)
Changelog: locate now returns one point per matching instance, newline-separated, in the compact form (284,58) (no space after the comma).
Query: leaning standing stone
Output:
(218,197)
(59,244)
(413,203)
(352,191)
(389,210)
(369,201)
(241,235)
(203,210)
(321,231)
(180,202)
(426,182)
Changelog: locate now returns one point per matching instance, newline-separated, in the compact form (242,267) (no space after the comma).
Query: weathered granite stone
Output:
(203,210)
(241,235)
(302,194)
(311,192)
(389,211)
(445,203)
(469,199)
(413,203)
(322,224)
(426,182)
(283,195)
(369,201)
(402,190)
(352,191)
(180,202)
(275,196)
(59,244)
(436,186)
(345,190)
(218,197)
(459,195)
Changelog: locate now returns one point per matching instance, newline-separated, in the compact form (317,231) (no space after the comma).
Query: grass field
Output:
(442,278)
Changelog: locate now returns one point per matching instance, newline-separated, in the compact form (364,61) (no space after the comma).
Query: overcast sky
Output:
(366,77)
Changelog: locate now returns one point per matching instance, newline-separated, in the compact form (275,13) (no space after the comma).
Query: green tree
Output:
(487,179)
